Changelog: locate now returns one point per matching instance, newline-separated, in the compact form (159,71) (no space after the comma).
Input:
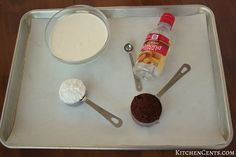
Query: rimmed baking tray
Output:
(26,124)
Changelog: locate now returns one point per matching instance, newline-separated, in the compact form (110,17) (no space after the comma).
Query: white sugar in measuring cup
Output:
(72,91)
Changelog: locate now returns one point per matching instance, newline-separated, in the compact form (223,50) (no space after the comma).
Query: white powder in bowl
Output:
(78,36)
(72,91)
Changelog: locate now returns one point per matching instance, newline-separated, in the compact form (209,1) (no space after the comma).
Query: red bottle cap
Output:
(168,18)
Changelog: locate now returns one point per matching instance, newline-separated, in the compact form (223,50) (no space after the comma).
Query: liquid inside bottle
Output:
(152,57)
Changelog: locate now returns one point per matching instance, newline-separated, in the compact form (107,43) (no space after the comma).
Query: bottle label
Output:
(154,50)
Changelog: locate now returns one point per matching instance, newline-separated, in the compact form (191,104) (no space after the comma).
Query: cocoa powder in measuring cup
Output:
(146,108)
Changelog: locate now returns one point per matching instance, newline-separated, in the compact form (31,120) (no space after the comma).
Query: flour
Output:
(72,91)
(78,36)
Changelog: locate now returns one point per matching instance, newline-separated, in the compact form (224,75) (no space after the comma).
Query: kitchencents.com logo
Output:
(205,152)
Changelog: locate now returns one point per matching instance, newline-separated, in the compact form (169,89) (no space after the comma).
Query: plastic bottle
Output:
(152,57)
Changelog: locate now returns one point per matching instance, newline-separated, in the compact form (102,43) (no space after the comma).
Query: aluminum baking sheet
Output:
(195,111)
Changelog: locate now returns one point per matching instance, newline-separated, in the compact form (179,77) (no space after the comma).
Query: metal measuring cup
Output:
(154,100)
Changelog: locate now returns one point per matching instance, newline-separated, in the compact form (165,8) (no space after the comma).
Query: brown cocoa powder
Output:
(146,108)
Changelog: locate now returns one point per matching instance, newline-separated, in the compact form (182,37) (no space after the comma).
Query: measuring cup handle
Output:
(184,69)
(116,121)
